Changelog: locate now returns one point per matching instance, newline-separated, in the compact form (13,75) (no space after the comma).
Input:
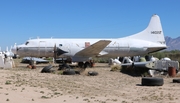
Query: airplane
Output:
(147,41)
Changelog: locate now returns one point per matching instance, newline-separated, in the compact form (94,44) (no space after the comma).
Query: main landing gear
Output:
(86,64)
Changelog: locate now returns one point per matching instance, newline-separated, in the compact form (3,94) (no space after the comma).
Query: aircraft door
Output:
(115,46)
(42,49)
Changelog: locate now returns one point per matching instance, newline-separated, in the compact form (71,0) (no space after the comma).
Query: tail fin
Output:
(153,32)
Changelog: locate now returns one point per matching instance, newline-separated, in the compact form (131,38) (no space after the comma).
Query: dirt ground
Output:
(24,85)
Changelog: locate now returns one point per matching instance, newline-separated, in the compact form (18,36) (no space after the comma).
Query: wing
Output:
(94,49)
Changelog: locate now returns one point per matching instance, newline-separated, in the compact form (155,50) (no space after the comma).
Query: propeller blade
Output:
(55,52)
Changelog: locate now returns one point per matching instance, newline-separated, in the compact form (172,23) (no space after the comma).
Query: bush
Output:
(115,67)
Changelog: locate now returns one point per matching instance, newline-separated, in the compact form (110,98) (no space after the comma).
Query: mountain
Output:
(172,43)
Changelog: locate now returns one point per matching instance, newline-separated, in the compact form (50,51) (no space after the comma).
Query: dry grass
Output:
(116,68)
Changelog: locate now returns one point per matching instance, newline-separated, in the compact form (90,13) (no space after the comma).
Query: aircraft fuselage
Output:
(117,47)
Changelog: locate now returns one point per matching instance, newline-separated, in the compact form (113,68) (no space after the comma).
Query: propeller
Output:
(55,52)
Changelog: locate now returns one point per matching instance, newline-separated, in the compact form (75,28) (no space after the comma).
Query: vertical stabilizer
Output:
(153,32)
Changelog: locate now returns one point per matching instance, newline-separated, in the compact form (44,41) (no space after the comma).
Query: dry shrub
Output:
(115,68)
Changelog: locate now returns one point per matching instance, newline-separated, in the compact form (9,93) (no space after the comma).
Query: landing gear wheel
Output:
(69,72)
(176,80)
(46,69)
(150,81)
(92,73)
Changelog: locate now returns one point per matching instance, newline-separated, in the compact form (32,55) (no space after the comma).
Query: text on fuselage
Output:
(156,32)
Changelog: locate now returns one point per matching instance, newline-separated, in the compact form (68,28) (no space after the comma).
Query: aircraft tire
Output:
(69,72)
(150,81)
(92,73)
(77,72)
(176,80)
(46,69)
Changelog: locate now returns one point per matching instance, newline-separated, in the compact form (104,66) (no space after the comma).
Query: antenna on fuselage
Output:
(30,38)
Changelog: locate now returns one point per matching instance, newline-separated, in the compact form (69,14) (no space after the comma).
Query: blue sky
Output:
(24,19)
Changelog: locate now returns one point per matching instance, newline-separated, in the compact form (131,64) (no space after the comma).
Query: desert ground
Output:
(24,85)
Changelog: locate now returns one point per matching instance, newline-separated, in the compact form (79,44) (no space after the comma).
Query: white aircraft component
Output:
(6,61)
(127,60)
(149,40)
(153,59)
(35,60)
(151,72)
(166,58)
(116,62)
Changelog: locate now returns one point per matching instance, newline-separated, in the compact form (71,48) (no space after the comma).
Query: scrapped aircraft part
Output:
(47,69)
(151,72)
(136,58)
(33,60)
(69,72)
(114,61)
(166,58)
(153,59)
(152,81)
(92,73)
(162,65)
(126,60)
(5,61)
(176,80)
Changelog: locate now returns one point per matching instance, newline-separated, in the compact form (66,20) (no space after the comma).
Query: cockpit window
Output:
(60,44)
(27,43)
